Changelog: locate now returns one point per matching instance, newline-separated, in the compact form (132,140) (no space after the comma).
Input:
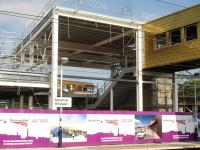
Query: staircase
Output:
(121,89)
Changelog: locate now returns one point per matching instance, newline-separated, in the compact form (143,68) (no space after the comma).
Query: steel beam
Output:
(114,38)
(67,12)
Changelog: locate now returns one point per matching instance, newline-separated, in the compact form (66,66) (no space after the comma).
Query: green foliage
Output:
(189,88)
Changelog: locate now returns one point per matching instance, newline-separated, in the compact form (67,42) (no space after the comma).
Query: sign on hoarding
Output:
(63,102)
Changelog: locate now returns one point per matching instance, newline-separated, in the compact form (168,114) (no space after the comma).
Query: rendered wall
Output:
(37,128)
(172,53)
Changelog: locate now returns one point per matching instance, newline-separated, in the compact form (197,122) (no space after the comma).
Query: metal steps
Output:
(122,91)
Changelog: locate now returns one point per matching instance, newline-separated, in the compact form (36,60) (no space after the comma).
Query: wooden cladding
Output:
(173,39)
(175,20)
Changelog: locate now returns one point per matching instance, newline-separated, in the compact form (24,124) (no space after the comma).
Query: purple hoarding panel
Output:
(39,128)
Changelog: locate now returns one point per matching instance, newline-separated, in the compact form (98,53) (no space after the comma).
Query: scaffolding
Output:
(8,42)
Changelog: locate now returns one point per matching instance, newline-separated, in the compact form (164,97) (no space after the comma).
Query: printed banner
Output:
(74,128)
(148,128)
(110,129)
(178,127)
(26,130)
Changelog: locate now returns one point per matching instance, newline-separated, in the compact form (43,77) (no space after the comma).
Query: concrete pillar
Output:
(111,100)
(175,94)
(30,102)
(54,65)
(139,65)
(12,103)
(21,101)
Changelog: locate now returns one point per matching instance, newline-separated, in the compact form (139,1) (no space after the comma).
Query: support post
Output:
(139,65)
(54,65)
(111,99)
(30,102)
(61,79)
(175,94)
(21,105)
(13,103)
(195,112)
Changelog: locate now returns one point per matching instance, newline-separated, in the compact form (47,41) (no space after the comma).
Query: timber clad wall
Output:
(171,54)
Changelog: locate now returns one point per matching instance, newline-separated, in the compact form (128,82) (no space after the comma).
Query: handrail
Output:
(116,69)
(11,76)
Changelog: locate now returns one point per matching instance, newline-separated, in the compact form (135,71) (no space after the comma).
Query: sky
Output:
(144,120)
(34,7)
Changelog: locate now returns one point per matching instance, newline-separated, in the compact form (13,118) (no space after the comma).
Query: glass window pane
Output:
(175,36)
(191,32)
(161,40)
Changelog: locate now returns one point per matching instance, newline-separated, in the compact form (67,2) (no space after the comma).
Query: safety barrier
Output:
(40,128)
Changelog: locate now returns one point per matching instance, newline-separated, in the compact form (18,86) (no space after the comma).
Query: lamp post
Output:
(64,60)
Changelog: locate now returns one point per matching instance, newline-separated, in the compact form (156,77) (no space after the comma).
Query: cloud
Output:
(138,122)
(10,23)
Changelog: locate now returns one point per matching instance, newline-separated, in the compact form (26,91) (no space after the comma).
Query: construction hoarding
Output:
(39,128)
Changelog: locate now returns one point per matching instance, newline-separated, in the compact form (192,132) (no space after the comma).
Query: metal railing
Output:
(23,77)
(116,69)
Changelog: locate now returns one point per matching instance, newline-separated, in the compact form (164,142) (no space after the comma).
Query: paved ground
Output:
(152,146)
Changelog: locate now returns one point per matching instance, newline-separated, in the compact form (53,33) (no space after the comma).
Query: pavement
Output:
(150,146)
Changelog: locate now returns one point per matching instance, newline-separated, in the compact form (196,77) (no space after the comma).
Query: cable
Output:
(34,17)
(169,3)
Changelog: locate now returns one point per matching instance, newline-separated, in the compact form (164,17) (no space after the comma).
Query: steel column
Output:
(54,65)
(21,102)
(175,95)
(139,65)
(30,102)
(111,100)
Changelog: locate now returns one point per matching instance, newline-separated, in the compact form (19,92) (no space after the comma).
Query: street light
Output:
(64,60)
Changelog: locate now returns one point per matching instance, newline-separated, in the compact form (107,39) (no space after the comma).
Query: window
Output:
(161,40)
(191,32)
(66,87)
(175,36)
(79,88)
(90,88)
(84,88)
(72,87)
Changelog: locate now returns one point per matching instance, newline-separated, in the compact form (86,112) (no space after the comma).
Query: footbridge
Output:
(23,79)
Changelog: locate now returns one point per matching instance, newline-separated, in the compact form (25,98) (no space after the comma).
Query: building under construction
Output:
(144,61)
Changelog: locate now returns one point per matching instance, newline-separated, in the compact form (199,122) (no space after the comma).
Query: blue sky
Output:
(144,119)
(150,7)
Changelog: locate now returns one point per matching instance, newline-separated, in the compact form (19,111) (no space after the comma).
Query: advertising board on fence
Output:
(39,129)
(110,129)
(178,127)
